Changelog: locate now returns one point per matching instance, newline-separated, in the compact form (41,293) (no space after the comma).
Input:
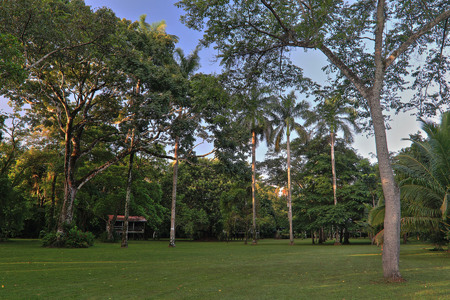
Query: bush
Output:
(73,238)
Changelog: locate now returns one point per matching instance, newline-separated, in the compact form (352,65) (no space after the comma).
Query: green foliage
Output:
(105,195)
(284,113)
(72,238)
(12,69)
(333,114)
(210,198)
(13,210)
(314,202)
(424,179)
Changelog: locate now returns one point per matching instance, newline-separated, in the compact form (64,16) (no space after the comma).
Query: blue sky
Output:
(157,10)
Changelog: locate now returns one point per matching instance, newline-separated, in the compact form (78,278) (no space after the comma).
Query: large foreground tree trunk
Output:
(66,215)
(391,243)
(70,188)
(174,195)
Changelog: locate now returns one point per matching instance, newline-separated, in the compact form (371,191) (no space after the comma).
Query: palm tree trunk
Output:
(174,195)
(291,232)
(333,166)
(254,185)
(333,172)
(127,203)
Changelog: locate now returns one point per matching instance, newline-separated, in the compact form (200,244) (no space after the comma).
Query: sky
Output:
(157,10)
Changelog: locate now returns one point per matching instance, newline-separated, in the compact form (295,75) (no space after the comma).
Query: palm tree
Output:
(156,29)
(425,181)
(334,114)
(187,65)
(254,116)
(283,114)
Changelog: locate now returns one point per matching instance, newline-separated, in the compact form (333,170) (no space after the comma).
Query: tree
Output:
(334,114)
(85,75)
(146,116)
(80,77)
(187,65)
(254,116)
(424,174)
(283,115)
(256,33)
(314,199)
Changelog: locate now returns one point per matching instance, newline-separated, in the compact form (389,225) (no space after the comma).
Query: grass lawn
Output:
(218,270)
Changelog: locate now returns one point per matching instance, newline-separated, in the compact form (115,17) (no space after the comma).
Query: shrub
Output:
(73,238)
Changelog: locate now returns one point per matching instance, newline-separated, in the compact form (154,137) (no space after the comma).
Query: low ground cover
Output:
(218,270)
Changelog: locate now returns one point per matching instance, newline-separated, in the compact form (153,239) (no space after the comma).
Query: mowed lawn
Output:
(218,270)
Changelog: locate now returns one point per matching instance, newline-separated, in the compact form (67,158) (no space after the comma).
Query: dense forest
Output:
(111,118)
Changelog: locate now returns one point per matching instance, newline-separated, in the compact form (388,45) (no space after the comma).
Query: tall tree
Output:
(187,65)
(355,38)
(284,114)
(78,83)
(146,116)
(332,115)
(254,116)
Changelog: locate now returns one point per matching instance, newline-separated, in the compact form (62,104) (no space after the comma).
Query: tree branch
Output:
(403,47)
(55,51)
(346,71)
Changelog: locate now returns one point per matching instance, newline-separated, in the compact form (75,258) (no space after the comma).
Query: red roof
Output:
(130,218)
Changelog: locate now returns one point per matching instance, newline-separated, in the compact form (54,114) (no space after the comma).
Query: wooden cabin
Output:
(136,225)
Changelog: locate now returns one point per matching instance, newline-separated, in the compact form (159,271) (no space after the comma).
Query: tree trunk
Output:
(66,216)
(346,237)
(321,236)
(333,166)
(291,232)
(333,174)
(110,227)
(254,186)
(174,195)
(51,222)
(70,187)
(127,202)
(391,243)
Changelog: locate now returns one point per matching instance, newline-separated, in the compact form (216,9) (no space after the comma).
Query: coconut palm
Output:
(254,116)
(283,115)
(334,114)
(425,181)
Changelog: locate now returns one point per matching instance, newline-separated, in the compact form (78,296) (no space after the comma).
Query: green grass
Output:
(218,270)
